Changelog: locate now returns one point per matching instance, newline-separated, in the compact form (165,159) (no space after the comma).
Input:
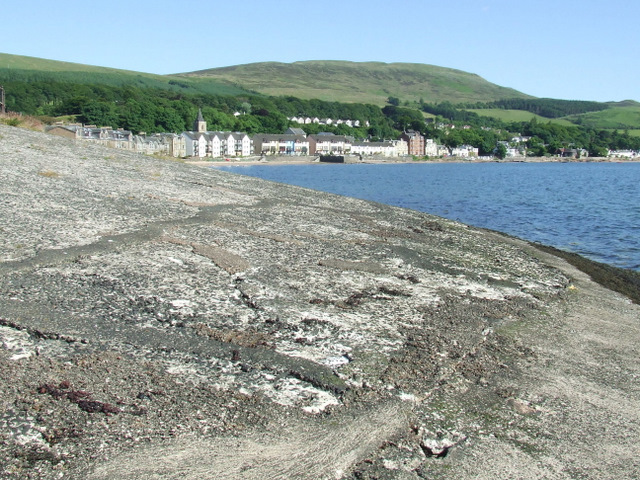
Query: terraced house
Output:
(329,144)
(281,144)
(201,143)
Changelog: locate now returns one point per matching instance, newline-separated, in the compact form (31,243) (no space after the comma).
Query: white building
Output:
(385,149)
(430,148)
(464,151)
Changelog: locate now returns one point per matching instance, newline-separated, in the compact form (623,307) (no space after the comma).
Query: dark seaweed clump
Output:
(621,280)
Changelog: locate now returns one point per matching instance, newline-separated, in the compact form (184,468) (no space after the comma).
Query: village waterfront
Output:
(592,209)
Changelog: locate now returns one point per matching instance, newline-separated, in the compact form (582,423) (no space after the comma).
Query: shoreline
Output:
(310,160)
(601,256)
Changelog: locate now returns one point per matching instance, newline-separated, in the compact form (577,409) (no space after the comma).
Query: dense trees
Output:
(158,110)
(549,107)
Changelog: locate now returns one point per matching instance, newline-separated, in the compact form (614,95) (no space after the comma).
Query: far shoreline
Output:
(354,160)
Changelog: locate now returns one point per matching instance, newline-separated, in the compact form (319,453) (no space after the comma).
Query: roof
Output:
(297,131)
(281,137)
(330,137)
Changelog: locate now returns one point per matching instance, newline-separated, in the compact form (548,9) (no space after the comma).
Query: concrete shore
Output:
(159,320)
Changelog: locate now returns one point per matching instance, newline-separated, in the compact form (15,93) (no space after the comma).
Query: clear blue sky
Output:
(569,49)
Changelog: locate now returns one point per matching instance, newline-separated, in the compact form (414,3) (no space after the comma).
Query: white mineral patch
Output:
(390,464)
(335,362)
(408,397)
(17,342)
(180,303)
(175,260)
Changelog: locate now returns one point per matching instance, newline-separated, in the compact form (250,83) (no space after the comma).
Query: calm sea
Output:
(588,208)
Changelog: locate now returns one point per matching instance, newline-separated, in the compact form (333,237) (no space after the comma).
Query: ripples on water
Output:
(589,208)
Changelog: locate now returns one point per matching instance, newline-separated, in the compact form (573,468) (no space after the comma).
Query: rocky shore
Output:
(159,321)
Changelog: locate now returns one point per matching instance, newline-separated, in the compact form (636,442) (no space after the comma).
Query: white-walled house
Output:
(464,151)
(329,144)
(281,144)
(623,154)
(195,144)
(239,144)
(402,147)
(385,149)
(430,148)
(217,144)
(443,151)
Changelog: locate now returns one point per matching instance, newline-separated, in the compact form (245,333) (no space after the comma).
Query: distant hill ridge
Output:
(362,82)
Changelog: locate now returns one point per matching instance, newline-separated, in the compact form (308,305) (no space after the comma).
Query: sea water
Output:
(592,209)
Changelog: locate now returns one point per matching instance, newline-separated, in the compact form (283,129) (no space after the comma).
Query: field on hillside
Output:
(517,116)
(623,117)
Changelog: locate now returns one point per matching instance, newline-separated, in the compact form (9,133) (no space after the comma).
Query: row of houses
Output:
(201,143)
(517,147)
(326,121)
(167,144)
(426,147)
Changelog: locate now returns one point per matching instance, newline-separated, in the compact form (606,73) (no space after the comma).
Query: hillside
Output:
(621,116)
(517,116)
(29,69)
(370,82)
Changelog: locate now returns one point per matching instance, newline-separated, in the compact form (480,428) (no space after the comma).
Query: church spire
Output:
(200,125)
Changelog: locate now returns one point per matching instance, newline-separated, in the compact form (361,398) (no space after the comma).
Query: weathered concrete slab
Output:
(150,308)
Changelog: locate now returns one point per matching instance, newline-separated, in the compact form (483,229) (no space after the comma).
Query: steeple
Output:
(200,125)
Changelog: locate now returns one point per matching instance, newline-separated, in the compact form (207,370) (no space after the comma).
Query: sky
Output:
(565,49)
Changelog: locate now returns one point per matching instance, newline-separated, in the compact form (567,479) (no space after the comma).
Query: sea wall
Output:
(158,317)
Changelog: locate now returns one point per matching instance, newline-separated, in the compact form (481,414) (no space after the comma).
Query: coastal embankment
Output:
(161,320)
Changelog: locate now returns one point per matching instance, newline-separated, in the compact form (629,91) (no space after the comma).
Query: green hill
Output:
(622,116)
(29,69)
(370,82)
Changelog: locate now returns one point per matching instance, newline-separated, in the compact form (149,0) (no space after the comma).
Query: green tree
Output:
(501,151)
(536,147)
(99,113)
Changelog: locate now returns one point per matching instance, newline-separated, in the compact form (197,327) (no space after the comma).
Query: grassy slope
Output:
(621,116)
(625,116)
(21,67)
(370,82)
(517,116)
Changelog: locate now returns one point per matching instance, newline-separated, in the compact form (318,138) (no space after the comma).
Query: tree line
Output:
(545,107)
(153,110)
